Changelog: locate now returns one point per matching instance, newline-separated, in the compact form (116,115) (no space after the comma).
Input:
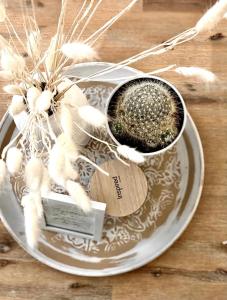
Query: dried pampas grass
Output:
(34,174)
(17,105)
(45,185)
(31,221)
(68,146)
(78,195)
(212,17)
(2,11)
(14,160)
(3,171)
(199,73)
(50,55)
(72,94)
(130,154)
(34,44)
(92,115)
(60,162)
(56,165)
(79,52)
(32,95)
(12,62)
(69,171)
(12,89)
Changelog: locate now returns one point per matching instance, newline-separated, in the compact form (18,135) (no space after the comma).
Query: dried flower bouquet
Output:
(56,111)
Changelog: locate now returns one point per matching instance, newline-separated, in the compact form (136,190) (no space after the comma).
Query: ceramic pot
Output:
(180,105)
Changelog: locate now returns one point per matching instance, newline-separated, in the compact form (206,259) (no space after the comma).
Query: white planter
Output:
(180,98)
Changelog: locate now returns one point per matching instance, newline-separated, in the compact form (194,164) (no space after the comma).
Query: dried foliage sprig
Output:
(212,17)
(56,108)
(198,73)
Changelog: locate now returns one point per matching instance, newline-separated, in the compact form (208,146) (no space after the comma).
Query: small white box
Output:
(62,215)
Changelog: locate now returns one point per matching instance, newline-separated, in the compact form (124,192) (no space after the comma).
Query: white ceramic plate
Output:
(175,184)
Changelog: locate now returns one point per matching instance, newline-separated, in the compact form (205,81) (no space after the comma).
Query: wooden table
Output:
(195,267)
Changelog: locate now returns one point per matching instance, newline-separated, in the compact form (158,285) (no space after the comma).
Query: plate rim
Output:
(101,273)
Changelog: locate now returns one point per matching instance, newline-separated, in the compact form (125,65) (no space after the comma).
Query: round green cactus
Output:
(147,112)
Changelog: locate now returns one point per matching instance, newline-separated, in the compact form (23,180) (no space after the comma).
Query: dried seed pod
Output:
(92,115)
(12,62)
(31,220)
(79,52)
(17,105)
(34,174)
(32,95)
(130,154)
(13,89)
(79,195)
(33,44)
(43,102)
(14,160)
(198,73)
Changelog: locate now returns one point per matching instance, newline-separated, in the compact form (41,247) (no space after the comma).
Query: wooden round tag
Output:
(124,190)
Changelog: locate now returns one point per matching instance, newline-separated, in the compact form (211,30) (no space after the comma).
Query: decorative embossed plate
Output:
(175,182)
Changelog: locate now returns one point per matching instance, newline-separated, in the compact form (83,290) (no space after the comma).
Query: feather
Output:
(12,62)
(79,52)
(66,120)
(32,94)
(17,105)
(2,12)
(34,174)
(43,102)
(78,195)
(199,73)
(92,115)
(6,75)
(13,89)
(14,160)
(31,221)
(33,44)
(3,171)
(212,17)
(130,154)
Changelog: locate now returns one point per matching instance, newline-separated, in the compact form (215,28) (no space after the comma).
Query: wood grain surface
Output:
(195,267)
(119,188)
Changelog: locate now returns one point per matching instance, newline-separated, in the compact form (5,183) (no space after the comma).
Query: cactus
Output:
(146,112)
